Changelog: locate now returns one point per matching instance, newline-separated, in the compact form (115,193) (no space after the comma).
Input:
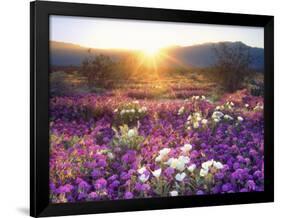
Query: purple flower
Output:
(114,184)
(200,192)
(251,185)
(236,165)
(83,186)
(169,171)
(128,195)
(129,157)
(142,187)
(93,195)
(238,174)
(258,174)
(65,189)
(219,175)
(100,184)
(138,186)
(226,187)
(102,163)
(243,190)
(96,173)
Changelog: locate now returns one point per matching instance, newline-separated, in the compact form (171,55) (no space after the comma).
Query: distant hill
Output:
(202,55)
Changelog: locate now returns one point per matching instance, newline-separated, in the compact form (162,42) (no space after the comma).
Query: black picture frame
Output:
(39,104)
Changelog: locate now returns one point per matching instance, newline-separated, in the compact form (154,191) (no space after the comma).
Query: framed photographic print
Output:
(141,109)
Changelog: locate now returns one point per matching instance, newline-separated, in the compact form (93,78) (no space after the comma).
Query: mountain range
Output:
(201,55)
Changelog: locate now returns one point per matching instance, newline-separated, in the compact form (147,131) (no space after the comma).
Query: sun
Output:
(150,51)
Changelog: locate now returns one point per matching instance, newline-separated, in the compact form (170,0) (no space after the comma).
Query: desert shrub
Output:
(127,138)
(59,86)
(129,113)
(94,111)
(257,88)
(97,69)
(232,65)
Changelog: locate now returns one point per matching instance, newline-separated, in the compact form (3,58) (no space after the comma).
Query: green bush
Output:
(127,138)
(129,113)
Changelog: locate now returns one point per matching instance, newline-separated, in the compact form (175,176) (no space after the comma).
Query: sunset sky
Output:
(131,34)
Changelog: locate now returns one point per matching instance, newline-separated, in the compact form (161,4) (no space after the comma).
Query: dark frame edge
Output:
(39,204)
(32,189)
(269,110)
(39,158)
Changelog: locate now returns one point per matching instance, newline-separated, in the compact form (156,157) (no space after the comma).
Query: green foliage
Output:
(97,69)
(66,141)
(232,65)
(59,86)
(257,88)
(129,113)
(161,187)
(127,138)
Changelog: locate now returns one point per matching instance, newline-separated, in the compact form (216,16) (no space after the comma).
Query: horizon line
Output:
(138,49)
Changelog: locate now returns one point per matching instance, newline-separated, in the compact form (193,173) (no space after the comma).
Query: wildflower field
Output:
(154,140)
(149,109)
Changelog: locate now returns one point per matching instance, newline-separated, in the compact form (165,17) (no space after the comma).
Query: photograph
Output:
(154,109)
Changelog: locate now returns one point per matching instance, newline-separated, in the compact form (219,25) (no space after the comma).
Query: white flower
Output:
(204,172)
(110,155)
(141,170)
(180,177)
(207,164)
(164,151)
(133,111)
(136,102)
(197,97)
(143,178)
(246,105)
(191,168)
(178,163)
(217,114)
(204,121)
(172,162)
(240,119)
(218,165)
(231,103)
(216,120)
(183,159)
(189,117)
(186,148)
(122,112)
(198,118)
(158,158)
(157,173)
(203,97)
(116,110)
(218,107)
(195,125)
(181,110)
(228,117)
(144,109)
(132,133)
(174,193)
